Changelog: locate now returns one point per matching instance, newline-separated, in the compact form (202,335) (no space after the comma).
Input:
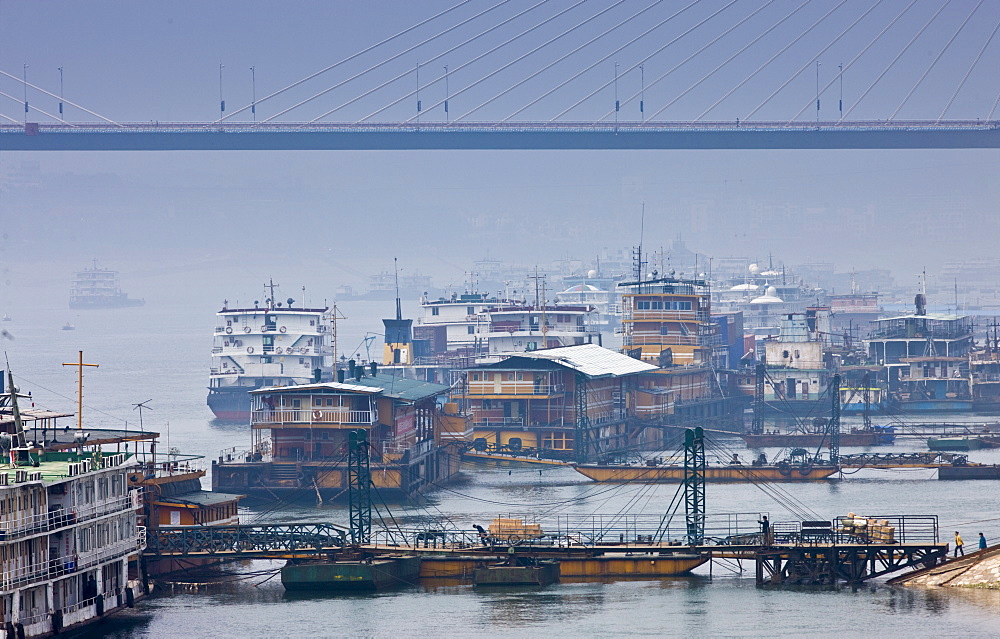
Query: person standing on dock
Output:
(982,542)
(959,544)
(765,530)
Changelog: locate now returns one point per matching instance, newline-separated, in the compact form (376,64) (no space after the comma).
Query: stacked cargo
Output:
(514,530)
(869,529)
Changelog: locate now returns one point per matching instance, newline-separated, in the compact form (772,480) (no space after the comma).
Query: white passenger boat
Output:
(269,344)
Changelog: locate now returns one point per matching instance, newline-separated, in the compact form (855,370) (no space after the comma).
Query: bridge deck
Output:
(200,136)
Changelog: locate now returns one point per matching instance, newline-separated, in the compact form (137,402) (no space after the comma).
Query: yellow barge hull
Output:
(474,455)
(641,562)
(674,474)
(603,566)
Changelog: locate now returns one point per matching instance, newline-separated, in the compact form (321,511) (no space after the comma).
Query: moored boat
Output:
(876,436)
(351,575)
(656,473)
(518,571)
(274,344)
(67,551)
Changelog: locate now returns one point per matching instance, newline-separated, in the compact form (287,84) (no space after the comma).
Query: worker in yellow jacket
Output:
(959,544)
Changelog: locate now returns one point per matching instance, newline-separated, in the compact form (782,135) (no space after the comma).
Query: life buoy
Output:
(282,329)
(805,469)
(229,329)
(246,329)
(303,350)
(249,349)
(784,468)
(317,414)
(278,350)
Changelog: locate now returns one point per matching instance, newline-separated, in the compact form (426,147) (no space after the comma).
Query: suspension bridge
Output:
(571,74)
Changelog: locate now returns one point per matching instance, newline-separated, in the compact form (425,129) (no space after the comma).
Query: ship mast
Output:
(79,388)
(270,287)
(399,308)
(18,424)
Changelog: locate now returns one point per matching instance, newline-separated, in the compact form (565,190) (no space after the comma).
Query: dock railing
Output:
(618,530)
(643,530)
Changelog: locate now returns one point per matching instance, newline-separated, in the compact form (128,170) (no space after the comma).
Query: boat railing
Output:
(651,338)
(79,605)
(66,565)
(513,388)
(487,422)
(259,453)
(61,517)
(324,416)
(399,448)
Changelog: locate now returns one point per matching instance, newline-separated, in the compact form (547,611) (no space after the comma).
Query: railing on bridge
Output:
(579,530)
(724,530)
(245,540)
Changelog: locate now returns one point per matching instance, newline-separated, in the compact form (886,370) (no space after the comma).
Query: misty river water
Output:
(161,352)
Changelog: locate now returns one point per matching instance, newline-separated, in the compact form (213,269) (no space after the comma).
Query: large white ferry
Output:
(274,344)
(68,530)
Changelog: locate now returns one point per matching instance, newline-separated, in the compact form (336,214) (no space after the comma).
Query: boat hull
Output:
(969,472)
(620,565)
(104,302)
(351,576)
(543,574)
(954,443)
(675,474)
(936,406)
(230,406)
(809,440)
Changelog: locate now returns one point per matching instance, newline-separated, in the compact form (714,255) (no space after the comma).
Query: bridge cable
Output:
(772,59)
(347,59)
(894,60)
(74,104)
(990,116)
(7,117)
(661,49)
(566,55)
(810,62)
(43,112)
(604,59)
(852,61)
(728,60)
(936,59)
(969,72)
(383,62)
(461,66)
(523,56)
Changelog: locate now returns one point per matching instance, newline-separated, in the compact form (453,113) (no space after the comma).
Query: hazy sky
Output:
(233,218)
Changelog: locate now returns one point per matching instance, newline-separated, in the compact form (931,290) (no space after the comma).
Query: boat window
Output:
(435,311)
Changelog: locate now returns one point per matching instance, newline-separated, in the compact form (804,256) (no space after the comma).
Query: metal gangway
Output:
(262,541)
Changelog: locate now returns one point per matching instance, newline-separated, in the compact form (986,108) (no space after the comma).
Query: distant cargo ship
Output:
(272,344)
(99,288)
